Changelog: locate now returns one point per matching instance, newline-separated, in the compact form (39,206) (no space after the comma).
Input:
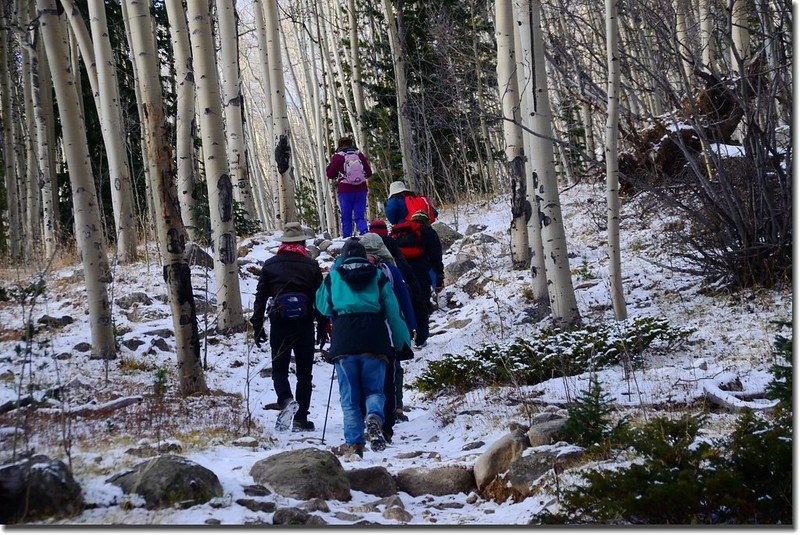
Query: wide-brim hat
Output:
(293,232)
(397,186)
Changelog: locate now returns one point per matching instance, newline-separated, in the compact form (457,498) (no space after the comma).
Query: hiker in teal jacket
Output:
(367,329)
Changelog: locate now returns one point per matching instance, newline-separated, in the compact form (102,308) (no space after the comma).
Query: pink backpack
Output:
(353,169)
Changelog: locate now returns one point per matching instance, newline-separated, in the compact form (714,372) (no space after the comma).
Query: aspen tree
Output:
(282,134)
(218,180)
(356,82)
(88,231)
(169,227)
(185,125)
(512,133)
(9,155)
(233,105)
(110,114)
(612,161)
(740,35)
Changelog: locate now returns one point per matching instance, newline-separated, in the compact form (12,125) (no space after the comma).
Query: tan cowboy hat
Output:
(397,187)
(293,232)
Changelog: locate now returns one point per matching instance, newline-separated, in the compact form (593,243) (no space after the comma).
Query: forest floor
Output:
(734,332)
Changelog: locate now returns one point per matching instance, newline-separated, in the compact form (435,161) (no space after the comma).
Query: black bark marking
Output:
(283,154)
(176,242)
(225,193)
(227,249)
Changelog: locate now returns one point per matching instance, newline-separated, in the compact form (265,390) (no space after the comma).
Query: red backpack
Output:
(408,235)
(415,203)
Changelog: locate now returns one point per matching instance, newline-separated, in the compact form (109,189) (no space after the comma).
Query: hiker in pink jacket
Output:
(350,168)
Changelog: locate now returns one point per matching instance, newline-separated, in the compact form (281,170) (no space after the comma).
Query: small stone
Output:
(397,513)
(472,498)
(473,445)
(213,521)
(246,442)
(256,490)
(256,506)
(317,504)
(347,517)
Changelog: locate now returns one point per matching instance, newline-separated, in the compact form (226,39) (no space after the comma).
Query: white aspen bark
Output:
(554,242)
(263,56)
(523,54)
(355,77)
(220,188)
(40,70)
(110,114)
(32,243)
(337,75)
(185,126)
(282,134)
(52,148)
(588,127)
(612,162)
(707,43)
(683,46)
(401,85)
(169,227)
(740,35)
(233,105)
(256,180)
(89,233)
(80,35)
(512,133)
(9,155)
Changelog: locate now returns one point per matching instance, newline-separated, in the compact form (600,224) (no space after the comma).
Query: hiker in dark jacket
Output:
(288,282)
(360,300)
(379,255)
(350,168)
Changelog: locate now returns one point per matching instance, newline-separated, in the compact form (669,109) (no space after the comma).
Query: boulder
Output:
(498,457)
(374,480)
(438,481)
(127,301)
(454,270)
(447,235)
(303,474)
(294,516)
(169,479)
(547,432)
(38,487)
(50,321)
(196,256)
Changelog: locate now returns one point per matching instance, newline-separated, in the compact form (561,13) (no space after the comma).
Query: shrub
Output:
(552,353)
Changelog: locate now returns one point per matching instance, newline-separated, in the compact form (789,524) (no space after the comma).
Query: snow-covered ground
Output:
(733,334)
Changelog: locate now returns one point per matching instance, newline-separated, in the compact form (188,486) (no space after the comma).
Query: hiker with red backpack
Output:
(422,248)
(350,168)
(402,203)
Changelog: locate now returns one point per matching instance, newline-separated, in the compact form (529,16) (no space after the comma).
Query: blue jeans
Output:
(353,205)
(360,377)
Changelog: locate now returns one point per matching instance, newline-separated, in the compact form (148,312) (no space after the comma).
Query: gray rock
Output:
(454,270)
(256,490)
(290,516)
(389,501)
(475,287)
(213,521)
(474,229)
(169,479)
(438,481)
(374,480)
(317,504)
(473,445)
(324,244)
(196,256)
(161,345)
(38,487)
(82,347)
(482,238)
(50,321)
(523,472)
(547,432)
(498,457)
(447,235)
(256,506)
(397,513)
(161,333)
(127,301)
(246,442)
(347,517)
(132,344)
(303,474)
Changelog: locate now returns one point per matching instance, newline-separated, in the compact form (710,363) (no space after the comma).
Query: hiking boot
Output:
(284,420)
(346,450)
(374,433)
(420,345)
(302,425)
(400,416)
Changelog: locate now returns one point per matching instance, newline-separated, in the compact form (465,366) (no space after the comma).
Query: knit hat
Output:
(374,246)
(293,232)
(397,187)
(353,248)
(421,216)
(378,226)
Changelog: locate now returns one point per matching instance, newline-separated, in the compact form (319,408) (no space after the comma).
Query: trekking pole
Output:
(330,391)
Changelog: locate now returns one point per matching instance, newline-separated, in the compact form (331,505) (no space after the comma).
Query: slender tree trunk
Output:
(707,43)
(515,157)
(612,162)
(356,82)
(282,134)
(9,155)
(682,34)
(185,126)
(401,85)
(89,233)
(233,105)
(81,37)
(171,235)
(220,188)
(554,242)
(523,55)
(740,35)
(110,114)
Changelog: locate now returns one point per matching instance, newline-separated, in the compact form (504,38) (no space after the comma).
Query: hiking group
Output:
(372,306)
